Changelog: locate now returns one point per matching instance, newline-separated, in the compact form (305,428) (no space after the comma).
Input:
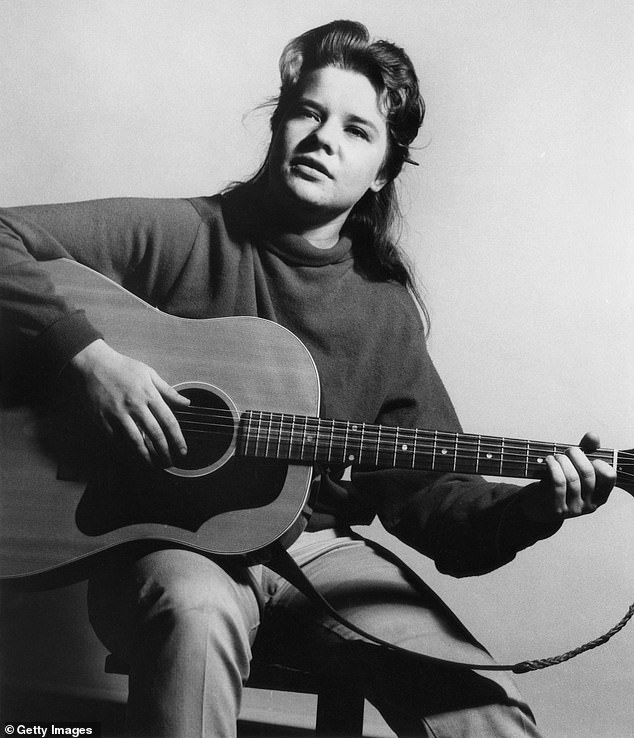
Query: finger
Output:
(574,498)
(170,428)
(566,485)
(587,478)
(155,433)
(590,442)
(605,481)
(163,413)
(558,486)
(169,394)
(133,436)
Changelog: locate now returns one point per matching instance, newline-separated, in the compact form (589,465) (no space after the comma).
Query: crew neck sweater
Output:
(220,256)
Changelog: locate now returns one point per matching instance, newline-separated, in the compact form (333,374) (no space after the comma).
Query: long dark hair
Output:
(374,220)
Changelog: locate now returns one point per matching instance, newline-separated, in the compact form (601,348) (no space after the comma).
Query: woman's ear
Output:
(379,182)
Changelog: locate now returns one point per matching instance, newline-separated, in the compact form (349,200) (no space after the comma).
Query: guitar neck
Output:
(310,440)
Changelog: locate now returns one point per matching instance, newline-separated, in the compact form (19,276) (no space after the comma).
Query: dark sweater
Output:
(218,256)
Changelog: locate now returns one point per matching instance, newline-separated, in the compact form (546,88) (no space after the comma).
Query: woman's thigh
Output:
(169,585)
(380,594)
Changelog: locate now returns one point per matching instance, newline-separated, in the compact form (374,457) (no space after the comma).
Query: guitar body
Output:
(66,495)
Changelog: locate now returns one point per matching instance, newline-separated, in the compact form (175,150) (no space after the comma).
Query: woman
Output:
(306,243)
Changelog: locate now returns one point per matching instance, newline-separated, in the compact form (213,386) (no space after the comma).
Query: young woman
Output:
(307,243)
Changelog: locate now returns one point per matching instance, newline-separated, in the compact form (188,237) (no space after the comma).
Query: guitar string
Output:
(422,459)
(386,433)
(340,429)
(507,457)
(389,434)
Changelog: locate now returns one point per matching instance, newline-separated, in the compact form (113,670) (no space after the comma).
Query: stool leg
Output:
(339,712)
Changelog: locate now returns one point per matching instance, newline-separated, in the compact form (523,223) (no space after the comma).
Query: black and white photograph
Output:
(316,368)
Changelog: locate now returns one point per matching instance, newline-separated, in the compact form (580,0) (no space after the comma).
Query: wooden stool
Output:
(339,708)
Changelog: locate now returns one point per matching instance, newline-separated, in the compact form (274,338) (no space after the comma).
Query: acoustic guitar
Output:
(253,431)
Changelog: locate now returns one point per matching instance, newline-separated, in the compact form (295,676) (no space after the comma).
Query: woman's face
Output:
(329,148)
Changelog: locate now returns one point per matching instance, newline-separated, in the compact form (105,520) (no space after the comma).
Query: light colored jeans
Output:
(188,628)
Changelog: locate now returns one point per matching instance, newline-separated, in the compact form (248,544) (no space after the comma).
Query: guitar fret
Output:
(267,434)
(341,442)
(303,439)
(263,438)
(354,443)
(501,455)
(323,446)
(488,461)
(404,448)
(466,453)
(245,436)
(415,449)
(248,417)
(395,448)
(321,442)
(291,439)
(315,440)
(303,424)
(516,465)
(535,466)
(278,432)
(332,431)
(270,436)
(312,435)
(258,434)
(284,441)
(361,444)
(280,436)
(445,452)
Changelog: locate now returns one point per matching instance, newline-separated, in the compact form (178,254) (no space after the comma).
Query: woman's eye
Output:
(307,113)
(358,132)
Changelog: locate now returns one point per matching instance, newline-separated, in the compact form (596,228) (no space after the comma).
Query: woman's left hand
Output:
(574,485)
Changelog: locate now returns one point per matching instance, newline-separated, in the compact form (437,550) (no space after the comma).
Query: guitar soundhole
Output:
(209,425)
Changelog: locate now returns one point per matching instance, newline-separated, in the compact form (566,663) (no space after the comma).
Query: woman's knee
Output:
(185,586)
(174,591)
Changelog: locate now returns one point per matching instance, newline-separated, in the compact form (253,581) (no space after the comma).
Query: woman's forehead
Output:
(346,89)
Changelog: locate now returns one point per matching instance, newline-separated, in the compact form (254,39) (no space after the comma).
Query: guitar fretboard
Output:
(311,440)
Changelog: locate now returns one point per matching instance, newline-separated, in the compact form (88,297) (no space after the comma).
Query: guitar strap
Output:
(282,563)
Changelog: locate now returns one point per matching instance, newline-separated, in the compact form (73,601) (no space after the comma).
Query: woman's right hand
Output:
(131,402)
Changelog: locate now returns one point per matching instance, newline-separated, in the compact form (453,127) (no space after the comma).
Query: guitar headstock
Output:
(625,470)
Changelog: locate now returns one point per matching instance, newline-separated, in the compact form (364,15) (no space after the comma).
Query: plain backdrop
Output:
(519,220)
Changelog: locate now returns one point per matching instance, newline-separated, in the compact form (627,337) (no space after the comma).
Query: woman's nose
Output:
(326,135)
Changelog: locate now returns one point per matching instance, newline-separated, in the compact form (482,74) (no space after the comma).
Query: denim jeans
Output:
(188,627)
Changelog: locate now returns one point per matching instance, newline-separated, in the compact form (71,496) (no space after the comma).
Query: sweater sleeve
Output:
(466,524)
(140,243)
